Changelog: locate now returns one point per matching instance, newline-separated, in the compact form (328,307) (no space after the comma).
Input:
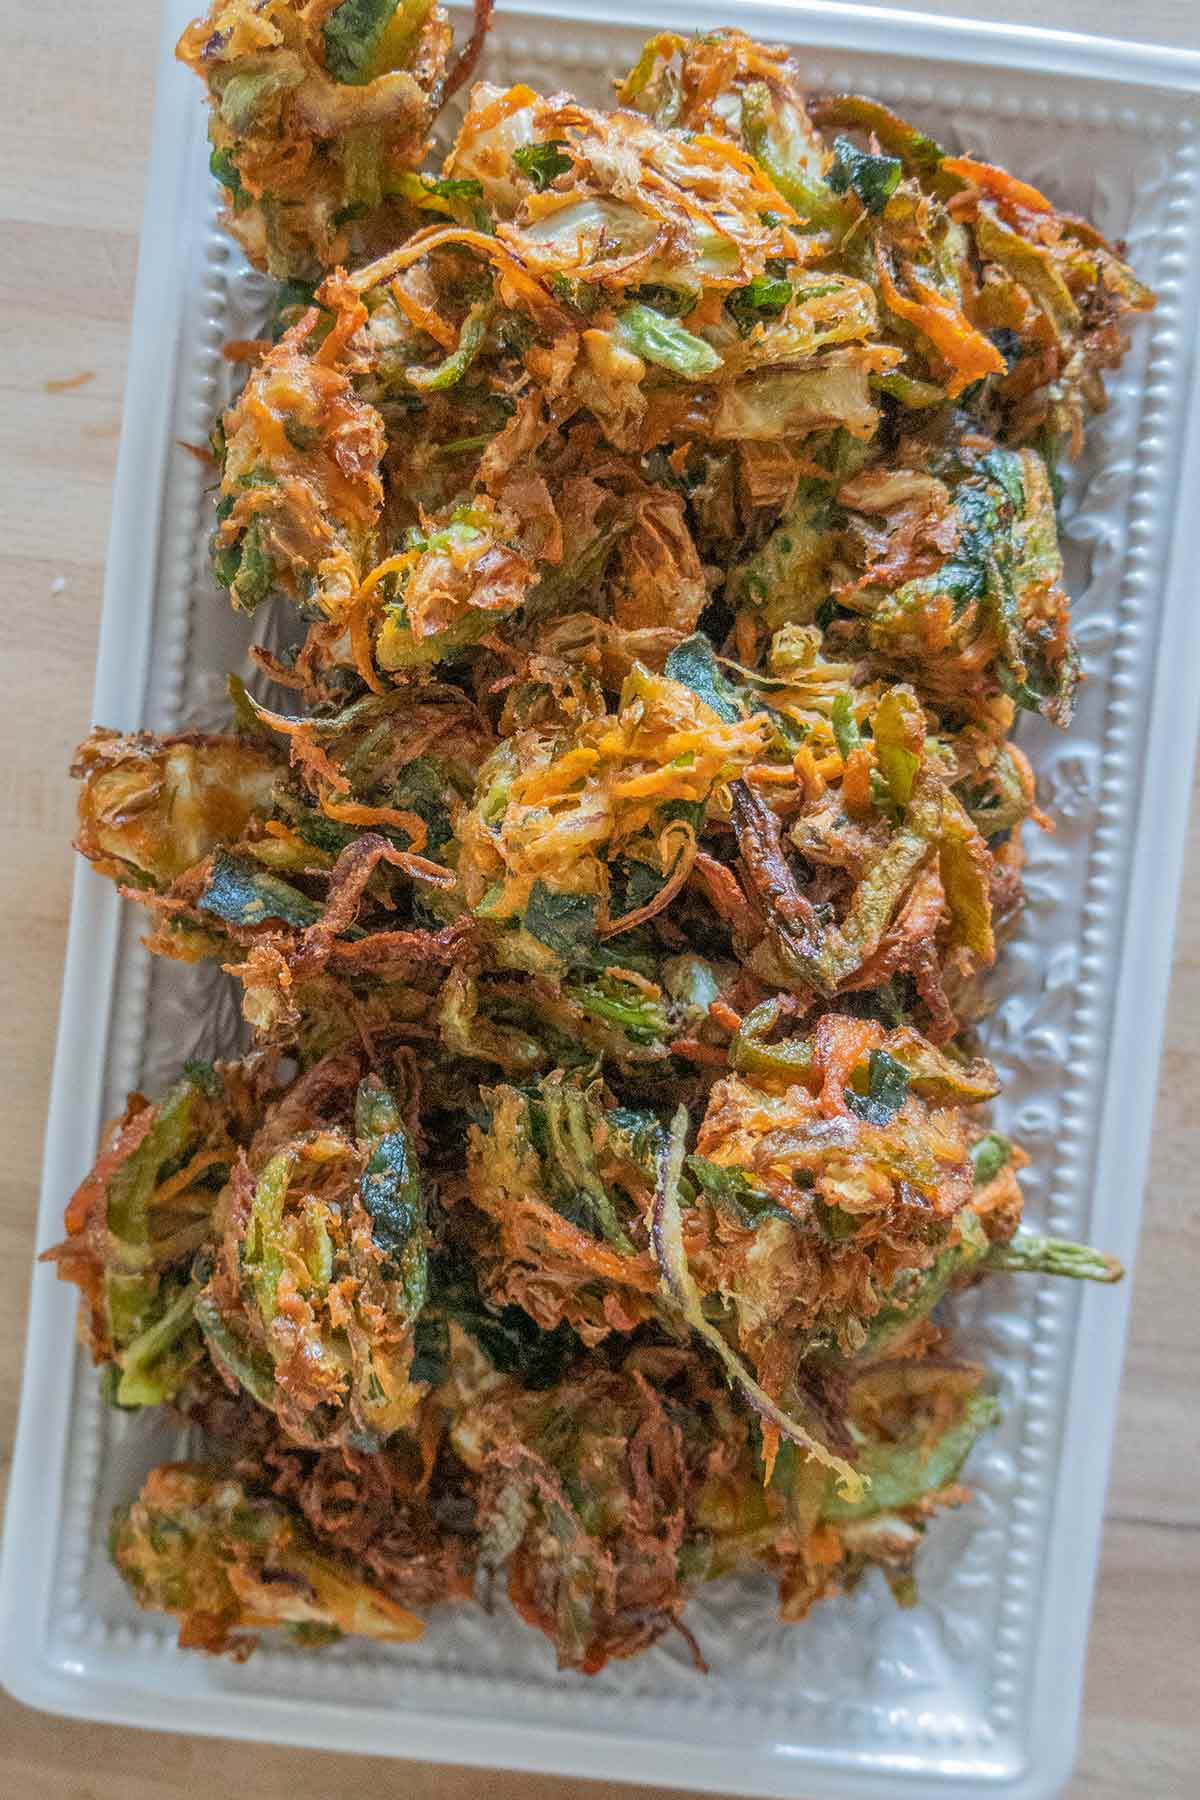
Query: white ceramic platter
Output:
(978,1686)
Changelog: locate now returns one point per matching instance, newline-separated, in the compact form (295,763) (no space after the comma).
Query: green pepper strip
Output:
(902,1474)
(1027,1253)
(136,1385)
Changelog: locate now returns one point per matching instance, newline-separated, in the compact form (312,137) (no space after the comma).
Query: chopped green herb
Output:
(222,165)
(694,665)
(675,302)
(733,1189)
(565,923)
(874,179)
(887,1090)
(353,34)
(763,298)
(543,163)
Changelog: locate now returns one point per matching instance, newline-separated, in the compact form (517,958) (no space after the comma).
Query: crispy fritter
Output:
(228,1564)
(135,1225)
(994,297)
(663,519)
(317,112)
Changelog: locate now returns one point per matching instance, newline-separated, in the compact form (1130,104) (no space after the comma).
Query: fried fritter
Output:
(317,112)
(662,516)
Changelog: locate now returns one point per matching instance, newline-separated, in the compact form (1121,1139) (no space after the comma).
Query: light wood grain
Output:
(73,143)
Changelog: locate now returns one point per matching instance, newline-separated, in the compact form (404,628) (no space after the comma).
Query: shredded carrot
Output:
(125,1141)
(970,354)
(824,1547)
(997,182)
(512,100)
(638,1271)
(185,1178)
(745,632)
(423,317)
(351,812)
(856,782)
(360,642)
(437,237)
(804,763)
(723,1014)
(556,781)
(694,1050)
(304,749)
(1025,775)
(337,291)
(430,1424)
(764,774)
(201,452)
(723,149)
(277,829)
(652,781)
(838,1044)
(391,565)
(651,989)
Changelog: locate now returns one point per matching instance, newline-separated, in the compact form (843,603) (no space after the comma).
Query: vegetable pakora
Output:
(662,502)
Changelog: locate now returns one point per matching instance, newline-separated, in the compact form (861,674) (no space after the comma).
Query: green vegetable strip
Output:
(242,895)
(845,726)
(450,371)
(680,1290)
(354,33)
(989,1156)
(874,900)
(764,297)
(641,1019)
(887,1090)
(222,165)
(130,1285)
(362,167)
(665,341)
(392,1192)
(1028,1253)
(897,136)
(250,1369)
(874,179)
(694,665)
(137,1384)
(902,1474)
(571,1141)
(262,1259)
(749,1053)
(568,924)
(130,1190)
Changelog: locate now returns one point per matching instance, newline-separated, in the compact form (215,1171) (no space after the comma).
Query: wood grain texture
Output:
(72,159)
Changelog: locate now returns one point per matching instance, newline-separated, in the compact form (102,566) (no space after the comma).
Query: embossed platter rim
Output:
(860,1712)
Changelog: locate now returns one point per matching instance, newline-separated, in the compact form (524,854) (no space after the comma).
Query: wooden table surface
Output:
(73,146)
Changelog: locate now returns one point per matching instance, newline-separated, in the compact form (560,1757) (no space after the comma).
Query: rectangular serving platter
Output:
(978,1686)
